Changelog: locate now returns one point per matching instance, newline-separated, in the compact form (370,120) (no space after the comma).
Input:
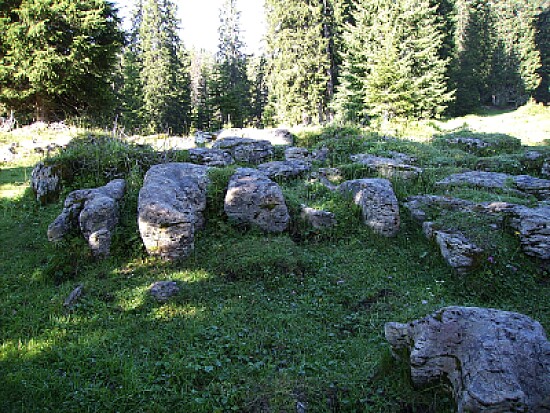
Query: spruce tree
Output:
(57,57)
(233,85)
(164,75)
(393,65)
(542,38)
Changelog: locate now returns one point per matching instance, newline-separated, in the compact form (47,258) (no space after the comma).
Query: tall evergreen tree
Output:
(57,57)
(164,75)
(233,86)
(393,65)
(542,38)
(303,50)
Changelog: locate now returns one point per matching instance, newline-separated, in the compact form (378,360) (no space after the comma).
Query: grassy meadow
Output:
(278,323)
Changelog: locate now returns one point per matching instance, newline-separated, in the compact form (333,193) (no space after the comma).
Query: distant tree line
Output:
(325,60)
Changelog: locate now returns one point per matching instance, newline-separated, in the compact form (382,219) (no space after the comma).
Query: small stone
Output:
(46,183)
(162,291)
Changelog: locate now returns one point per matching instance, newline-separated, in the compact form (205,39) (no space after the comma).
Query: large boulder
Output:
(95,211)
(496,361)
(210,157)
(276,136)
(388,167)
(245,149)
(378,204)
(284,169)
(170,208)
(254,199)
(518,184)
(46,182)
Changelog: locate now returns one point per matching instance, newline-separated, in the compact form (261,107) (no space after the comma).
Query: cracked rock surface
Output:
(170,208)
(95,211)
(496,361)
(245,149)
(388,167)
(46,183)
(210,157)
(378,203)
(252,198)
(284,169)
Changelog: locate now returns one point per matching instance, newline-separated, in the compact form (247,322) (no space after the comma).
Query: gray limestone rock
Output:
(296,153)
(317,218)
(170,208)
(252,198)
(378,204)
(496,361)
(545,171)
(284,169)
(276,136)
(533,226)
(46,183)
(245,149)
(458,251)
(518,184)
(95,212)
(210,157)
(388,167)
(420,205)
(162,291)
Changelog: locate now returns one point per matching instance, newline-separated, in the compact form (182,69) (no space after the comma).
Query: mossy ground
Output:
(261,322)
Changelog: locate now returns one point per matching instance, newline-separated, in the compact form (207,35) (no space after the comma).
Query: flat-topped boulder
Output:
(420,206)
(296,153)
(245,149)
(378,203)
(518,184)
(170,208)
(276,136)
(46,182)
(95,212)
(254,199)
(210,157)
(284,169)
(387,167)
(495,361)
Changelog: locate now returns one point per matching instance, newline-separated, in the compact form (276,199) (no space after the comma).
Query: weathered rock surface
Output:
(245,149)
(296,153)
(284,169)
(378,204)
(496,361)
(252,198)
(276,136)
(420,205)
(317,218)
(210,157)
(456,249)
(519,184)
(170,208)
(162,291)
(46,183)
(533,226)
(545,171)
(468,143)
(387,167)
(95,211)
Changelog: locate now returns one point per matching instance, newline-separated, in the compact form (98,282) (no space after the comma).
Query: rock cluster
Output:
(95,211)
(46,183)
(245,149)
(388,167)
(519,184)
(170,208)
(210,157)
(296,153)
(254,199)
(496,361)
(533,228)
(378,203)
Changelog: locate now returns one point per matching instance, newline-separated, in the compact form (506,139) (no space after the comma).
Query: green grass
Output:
(261,322)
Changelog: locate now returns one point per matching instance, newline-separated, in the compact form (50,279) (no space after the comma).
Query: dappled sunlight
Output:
(169,311)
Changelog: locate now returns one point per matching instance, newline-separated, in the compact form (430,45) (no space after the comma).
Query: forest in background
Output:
(325,61)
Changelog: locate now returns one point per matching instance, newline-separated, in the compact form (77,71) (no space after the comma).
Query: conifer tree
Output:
(233,100)
(164,75)
(57,57)
(542,39)
(393,66)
